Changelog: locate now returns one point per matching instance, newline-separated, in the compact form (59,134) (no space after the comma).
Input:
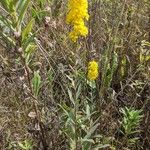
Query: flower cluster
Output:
(92,70)
(78,13)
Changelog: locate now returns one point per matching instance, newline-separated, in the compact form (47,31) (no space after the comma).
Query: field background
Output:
(46,100)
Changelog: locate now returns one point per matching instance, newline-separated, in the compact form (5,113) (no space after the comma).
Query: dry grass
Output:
(119,31)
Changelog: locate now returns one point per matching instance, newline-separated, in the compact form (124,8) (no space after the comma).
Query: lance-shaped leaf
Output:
(27,30)
(36,83)
(23,5)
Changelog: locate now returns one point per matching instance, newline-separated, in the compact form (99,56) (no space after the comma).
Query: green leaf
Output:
(26,145)
(71,97)
(92,84)
(91,131)
(88,113)
(29,51)
(88,140)
(11,6)
(36,82)
(23,7)
(21,145)
(27,30)
(5,4)
(6,22)
(78,91)
(101,146)
(7,39)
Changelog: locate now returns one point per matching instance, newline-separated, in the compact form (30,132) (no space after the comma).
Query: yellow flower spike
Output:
(92,70)
(77,14)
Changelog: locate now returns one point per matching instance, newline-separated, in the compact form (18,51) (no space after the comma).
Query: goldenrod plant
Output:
(80,126)
(130,124)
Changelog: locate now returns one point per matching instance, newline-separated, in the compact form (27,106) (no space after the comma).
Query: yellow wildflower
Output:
(78,13)
(92,70)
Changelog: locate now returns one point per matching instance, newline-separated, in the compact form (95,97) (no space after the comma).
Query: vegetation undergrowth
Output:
(74,75)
